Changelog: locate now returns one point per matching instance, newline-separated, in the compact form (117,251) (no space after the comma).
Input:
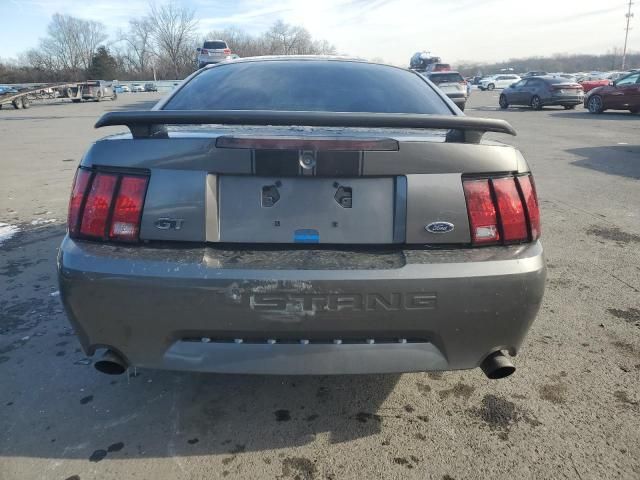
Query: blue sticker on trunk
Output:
(306,235)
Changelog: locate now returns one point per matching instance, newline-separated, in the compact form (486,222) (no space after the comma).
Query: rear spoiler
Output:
(152,123)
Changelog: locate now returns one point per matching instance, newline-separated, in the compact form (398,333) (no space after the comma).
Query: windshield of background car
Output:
(446,78)
(631,79)
(309,85)
(214,45)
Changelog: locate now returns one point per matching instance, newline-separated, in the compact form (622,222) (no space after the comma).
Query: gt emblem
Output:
(439,227)
(166,223)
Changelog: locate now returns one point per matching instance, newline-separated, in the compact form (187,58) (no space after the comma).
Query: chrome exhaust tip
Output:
(497,366)
(111,364)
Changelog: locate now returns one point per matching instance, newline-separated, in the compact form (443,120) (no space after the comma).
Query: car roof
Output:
(306,58)
(270,58)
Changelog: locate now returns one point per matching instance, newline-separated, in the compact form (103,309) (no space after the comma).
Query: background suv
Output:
(497,81)
(453,85)
(212,51)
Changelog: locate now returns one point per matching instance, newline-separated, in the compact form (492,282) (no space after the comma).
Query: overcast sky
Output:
(456,30)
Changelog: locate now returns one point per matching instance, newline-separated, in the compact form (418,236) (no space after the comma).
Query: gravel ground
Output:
(572,410)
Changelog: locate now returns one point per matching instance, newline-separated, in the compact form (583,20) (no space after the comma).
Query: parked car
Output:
(212,51)
(622,94)
(539,92)
(497,81)
(121,89)
(137,88)
(566,76)
(535,73)
(96,90)
(453,85)
(590,82)
(169,262)
(150,87)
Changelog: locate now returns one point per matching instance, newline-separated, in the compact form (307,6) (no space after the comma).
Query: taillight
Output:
(98,205)
(502,210)
(125,223)
(204,50)
(227,51)
(482,212)
(510,210)
(528,189)
(80,184)
(106,205)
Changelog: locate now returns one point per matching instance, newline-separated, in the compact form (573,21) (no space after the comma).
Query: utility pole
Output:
(626,36)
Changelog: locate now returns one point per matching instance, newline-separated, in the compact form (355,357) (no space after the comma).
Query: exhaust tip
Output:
(111,364)
(497,366)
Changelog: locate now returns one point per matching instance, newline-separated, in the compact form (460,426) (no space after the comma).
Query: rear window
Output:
(215,45)
(309,85)
(439,78)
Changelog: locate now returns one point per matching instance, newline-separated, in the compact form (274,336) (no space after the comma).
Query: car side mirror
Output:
(198,49)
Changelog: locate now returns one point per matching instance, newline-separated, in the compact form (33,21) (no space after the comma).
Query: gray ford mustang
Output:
(302,215)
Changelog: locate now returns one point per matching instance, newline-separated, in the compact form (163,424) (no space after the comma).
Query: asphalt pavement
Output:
(571,410)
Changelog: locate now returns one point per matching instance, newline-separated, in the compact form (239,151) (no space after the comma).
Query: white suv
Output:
(213,51)
(498,81)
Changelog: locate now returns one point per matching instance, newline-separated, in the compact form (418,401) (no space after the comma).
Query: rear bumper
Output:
(301,311)
(458,98)
(563,101)
(209,60)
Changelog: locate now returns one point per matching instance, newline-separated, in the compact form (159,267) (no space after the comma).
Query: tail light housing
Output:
(502,210)
(227,51)
(106,205)
(204,51)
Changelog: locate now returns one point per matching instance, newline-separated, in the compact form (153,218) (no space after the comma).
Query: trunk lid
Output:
(304,184)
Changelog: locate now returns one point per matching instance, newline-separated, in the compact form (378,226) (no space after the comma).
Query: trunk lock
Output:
(307,159)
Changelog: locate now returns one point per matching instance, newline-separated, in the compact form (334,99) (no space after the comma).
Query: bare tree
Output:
(138,44)
(91,34)
(285,39)
(174,29)
(69,45)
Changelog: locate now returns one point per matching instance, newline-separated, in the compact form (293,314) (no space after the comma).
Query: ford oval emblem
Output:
(439,227)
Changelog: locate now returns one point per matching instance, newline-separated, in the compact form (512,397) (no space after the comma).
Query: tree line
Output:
(556,63)
(161,44)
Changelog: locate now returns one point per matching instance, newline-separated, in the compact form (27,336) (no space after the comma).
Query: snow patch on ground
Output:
(42,221)
(7,231)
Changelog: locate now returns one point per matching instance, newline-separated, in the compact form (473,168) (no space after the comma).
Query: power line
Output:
(626,35)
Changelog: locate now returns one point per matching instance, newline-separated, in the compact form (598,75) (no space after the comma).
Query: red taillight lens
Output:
(511,210)
(482,212)
(528,190)
(502,210)
(97,206)
(125,224)
(227,51)
(204,50)
(106,205)
(80,184)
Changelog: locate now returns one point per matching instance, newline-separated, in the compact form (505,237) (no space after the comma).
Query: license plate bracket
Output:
(306,210)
